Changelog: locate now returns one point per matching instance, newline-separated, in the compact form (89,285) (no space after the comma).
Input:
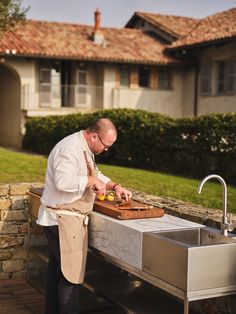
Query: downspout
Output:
(195,105)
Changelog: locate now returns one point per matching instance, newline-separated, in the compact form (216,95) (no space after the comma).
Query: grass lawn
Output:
(21,167)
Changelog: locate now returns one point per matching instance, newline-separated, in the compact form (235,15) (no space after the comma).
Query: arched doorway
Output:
(10,108)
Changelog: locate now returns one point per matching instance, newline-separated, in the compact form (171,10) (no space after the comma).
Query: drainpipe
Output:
(195,106)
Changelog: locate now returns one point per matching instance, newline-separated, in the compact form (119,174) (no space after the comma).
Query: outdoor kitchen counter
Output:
(122,239)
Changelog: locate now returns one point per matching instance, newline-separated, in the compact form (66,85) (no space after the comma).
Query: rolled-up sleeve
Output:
(102,177)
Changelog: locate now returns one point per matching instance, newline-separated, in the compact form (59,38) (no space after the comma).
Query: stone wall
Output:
(14,205)
(207,216)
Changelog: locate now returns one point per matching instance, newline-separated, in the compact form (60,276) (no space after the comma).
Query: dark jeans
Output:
(61,296)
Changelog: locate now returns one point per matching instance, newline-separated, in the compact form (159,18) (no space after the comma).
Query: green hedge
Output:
(191,146)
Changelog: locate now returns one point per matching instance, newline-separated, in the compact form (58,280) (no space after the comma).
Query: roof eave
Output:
(97,59)
(201,44)
(165,31)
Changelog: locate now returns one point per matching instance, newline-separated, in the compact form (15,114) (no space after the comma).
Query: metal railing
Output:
(62,96)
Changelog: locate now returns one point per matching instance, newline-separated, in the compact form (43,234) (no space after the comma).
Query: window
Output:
(49,84)
(227,77)
(206,78)
(143,76)
(164,78)
(124,76)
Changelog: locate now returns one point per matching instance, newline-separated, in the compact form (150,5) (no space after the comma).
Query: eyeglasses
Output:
(105,146)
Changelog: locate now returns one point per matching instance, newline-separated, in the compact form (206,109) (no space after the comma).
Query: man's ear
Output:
(93,137)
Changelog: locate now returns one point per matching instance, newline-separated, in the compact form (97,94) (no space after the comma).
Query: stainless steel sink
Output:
(194,260)
(196,237)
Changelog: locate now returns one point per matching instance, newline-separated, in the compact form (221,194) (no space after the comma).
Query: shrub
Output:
(189,146)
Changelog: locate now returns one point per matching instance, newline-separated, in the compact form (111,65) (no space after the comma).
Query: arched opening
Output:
(10,108)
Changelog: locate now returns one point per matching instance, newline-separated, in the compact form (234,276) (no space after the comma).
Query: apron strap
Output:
(89,166)
(68,213)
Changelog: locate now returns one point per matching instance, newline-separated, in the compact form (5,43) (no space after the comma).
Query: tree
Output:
(11,13)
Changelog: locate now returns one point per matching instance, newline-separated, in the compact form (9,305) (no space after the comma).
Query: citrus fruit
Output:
(101,197)
(110,197)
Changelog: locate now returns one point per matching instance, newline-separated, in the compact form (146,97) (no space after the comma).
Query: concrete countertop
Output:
(122,239)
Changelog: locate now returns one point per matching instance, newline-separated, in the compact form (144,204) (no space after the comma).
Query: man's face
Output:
(103,143)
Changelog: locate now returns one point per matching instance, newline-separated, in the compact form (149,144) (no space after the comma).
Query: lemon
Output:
(110,197)
(101,197)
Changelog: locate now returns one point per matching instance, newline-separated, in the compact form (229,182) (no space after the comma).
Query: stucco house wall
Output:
(109,84)
(188,91)
(169,102)
(215,102)
(27,72)
(10,117)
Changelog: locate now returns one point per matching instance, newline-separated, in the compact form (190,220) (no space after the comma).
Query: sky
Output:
(116,13)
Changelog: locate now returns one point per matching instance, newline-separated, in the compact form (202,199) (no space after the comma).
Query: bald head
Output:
(101,135)
(103,126)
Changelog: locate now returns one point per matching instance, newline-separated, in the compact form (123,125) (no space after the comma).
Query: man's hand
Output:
(98,186)
(123,193)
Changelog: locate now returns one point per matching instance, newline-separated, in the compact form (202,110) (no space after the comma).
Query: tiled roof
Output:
(212,28)
(73,41)
(176,26)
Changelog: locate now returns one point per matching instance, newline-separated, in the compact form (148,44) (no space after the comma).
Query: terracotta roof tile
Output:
(176,26)
(212,28)
(73,41)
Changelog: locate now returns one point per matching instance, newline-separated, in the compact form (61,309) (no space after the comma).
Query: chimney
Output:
(97,15)
(98,37)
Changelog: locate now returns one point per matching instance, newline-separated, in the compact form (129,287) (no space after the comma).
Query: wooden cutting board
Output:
(127,212)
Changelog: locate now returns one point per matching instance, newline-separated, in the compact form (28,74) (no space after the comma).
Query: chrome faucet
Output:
(225,226)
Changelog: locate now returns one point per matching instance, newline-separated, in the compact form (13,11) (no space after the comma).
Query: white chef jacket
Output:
(66,176)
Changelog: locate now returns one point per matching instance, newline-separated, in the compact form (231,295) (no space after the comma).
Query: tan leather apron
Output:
(73,233)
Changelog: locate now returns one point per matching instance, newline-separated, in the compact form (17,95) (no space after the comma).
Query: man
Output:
(71,183)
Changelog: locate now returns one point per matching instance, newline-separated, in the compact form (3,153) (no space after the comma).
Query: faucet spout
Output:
(225,223)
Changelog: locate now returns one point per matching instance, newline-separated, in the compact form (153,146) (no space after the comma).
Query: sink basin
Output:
(196,237)
(198,259)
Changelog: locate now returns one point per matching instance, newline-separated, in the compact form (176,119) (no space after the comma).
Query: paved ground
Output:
(18,297)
